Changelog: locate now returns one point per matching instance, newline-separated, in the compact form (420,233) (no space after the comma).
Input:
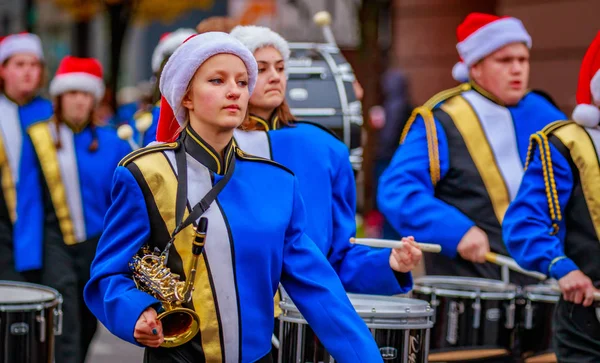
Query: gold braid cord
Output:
(541,139)
(426,112)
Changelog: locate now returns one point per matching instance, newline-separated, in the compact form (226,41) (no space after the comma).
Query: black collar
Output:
(271,124)
(204,153)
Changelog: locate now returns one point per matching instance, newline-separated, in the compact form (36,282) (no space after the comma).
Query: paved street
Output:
(106,348)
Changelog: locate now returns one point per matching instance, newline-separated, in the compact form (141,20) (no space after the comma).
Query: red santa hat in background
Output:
(480,35)
(20,43)
(78,74)
(588,88)
(167,44)
(180,69)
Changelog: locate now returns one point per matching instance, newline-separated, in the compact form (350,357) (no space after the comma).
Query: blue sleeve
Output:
(362,269)
(527,223)
(406,195)
(111,293)
(317,292)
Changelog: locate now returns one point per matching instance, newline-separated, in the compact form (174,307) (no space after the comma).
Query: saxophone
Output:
(151,275)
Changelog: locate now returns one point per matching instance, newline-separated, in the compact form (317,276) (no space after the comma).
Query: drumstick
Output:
(501,260)
(386,243)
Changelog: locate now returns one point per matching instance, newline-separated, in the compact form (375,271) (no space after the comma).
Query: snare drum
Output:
(30,316)
(400,327)
(474,319)
(535,330)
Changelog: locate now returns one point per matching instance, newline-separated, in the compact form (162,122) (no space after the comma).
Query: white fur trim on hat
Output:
(167,46)
(492,37)
(586,115)
(77,81)
(256,37)
(21,43)
(188,57)
(460,72)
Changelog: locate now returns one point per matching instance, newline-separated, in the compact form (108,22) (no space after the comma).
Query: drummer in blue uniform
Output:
(21,78)
(322,165)
(255,235)
(77,160)
(553,225)
(462,153)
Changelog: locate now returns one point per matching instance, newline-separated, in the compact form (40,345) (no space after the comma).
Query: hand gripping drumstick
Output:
(386,243)
(501,260)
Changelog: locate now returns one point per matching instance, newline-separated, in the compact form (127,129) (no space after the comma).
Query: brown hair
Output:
(216,24)
(58,118)
(43,75)
(282,112)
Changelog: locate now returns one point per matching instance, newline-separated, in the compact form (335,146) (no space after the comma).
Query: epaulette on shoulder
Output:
(245,156)
(551,127)
(148,150)
(322,127)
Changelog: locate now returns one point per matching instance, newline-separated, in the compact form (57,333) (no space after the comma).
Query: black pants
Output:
(67,269)
(187,353)
(576,333)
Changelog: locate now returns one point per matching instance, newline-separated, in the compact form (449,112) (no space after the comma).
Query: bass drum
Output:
(319,89)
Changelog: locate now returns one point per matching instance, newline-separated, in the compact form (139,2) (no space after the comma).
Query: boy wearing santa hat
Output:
(553,225)
(77,160)
(21,77)
(462,154)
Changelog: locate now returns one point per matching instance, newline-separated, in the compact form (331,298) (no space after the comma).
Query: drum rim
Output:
(418,308)
(541,293)
(298,319)
(30,305)
(503,291)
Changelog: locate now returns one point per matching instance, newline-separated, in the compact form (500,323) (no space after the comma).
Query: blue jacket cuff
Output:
(405,281)
(561,266)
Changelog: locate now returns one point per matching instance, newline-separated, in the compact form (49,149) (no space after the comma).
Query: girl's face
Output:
(269,92)
(77,106)
(218,94)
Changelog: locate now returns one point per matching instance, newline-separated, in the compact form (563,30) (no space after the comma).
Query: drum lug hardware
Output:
(477,313)
(42,320)
(510,315)
(58,318)
(528,315)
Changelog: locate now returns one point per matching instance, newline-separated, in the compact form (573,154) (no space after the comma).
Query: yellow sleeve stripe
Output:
(555,261)
(541,139)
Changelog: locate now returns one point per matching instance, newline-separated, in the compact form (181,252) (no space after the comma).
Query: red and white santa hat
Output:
(78,74)
(256,37)
(586,113)
(180,69)
(480,35)
(20,43)
(167,44)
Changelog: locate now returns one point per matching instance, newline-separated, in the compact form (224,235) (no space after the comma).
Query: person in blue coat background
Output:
(21,78)
(255,237)
(321,163)
(76,160)
(462,153)
(553,225)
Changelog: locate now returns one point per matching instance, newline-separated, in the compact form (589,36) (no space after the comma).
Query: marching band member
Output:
(21,77)
(462,154)
(322,165)
(553,225)
(77,160)
(255,235)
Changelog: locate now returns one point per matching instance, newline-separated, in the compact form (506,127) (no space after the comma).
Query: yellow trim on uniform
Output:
(146,150)
(8,183)
(548,172)
(162,182)
(469,126)
(555,261)
(275,122)
(214,156)
(261,121)
(46,153)
(584,155)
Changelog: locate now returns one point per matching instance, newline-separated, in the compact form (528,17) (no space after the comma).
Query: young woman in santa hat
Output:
(21,77)
(321,163)
(254,237)
(552,226)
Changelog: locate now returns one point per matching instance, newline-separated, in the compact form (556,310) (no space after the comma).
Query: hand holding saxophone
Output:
(148,329)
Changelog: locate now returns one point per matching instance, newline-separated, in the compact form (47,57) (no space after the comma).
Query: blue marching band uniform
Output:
(460,165)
